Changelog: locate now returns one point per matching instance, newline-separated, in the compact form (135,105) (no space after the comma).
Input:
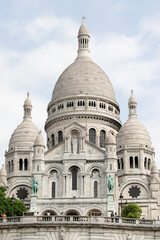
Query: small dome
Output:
(154,169)
(28,101)
(24,135)
(83,30)
(110,139)
(39,140)
(133,133)
(3,172)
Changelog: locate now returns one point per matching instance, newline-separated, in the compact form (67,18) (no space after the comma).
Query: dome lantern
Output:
(132,104)
(83,40)
(27,107)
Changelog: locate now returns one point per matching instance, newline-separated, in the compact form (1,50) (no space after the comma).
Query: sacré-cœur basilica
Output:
(91,159)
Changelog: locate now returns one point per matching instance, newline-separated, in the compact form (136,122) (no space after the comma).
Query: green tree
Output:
(131,211)
(6,205)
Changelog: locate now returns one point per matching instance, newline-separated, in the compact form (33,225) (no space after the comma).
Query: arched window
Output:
(92,135)
(102,138)
(149,164)
(131,162)
(53,140)
(53,189)
(95,189)
(119,165)
(9,166)
(136,162)
(60,136)
(122,163)
(12,166)
(145,163)
(74,178)
(20,164)
(25,164)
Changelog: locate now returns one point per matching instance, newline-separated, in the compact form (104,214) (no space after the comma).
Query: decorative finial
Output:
(131,91)
(27,94)
(83,18)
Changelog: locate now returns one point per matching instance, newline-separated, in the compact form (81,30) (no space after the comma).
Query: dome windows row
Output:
(82,103)
(83,43)
(134,163)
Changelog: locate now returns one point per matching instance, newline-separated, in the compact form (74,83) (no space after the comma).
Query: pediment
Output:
(74,126)
(93,151)
(56,152)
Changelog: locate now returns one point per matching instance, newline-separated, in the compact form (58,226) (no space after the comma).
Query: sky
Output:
(38,40)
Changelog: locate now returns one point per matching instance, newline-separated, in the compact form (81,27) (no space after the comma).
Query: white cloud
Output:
(41,28)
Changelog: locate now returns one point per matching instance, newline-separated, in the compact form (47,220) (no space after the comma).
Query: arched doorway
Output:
(49,212)
(72,212)
(94,212)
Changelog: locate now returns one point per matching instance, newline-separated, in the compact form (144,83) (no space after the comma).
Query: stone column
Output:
(141,161)
(64,184)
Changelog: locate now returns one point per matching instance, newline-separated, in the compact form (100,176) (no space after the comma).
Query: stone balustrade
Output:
(79,219)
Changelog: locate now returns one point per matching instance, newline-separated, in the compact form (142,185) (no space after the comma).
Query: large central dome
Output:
(83,77)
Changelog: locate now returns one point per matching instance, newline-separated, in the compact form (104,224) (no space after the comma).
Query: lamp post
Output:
(12,198)
(121,197)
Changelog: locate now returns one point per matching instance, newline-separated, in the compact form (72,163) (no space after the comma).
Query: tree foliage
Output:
(6,205)
(131,211)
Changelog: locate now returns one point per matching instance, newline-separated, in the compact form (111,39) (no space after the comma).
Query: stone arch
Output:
(92,126)
(53,167)
(12,188)
(74,128)
(94,209)
(132,182)
(95,166)
(45,210)
(74,165)
(67,210)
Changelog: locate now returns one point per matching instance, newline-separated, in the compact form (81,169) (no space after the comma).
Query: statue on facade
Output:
(34,185)
(74,144)
(110,183)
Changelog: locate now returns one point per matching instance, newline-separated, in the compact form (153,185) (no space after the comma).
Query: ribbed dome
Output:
(133,133)
(83,77)
(154,169)
(110,139)
(39,140)
(24,135)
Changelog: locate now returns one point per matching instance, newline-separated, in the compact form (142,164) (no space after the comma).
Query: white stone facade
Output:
(85,144)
